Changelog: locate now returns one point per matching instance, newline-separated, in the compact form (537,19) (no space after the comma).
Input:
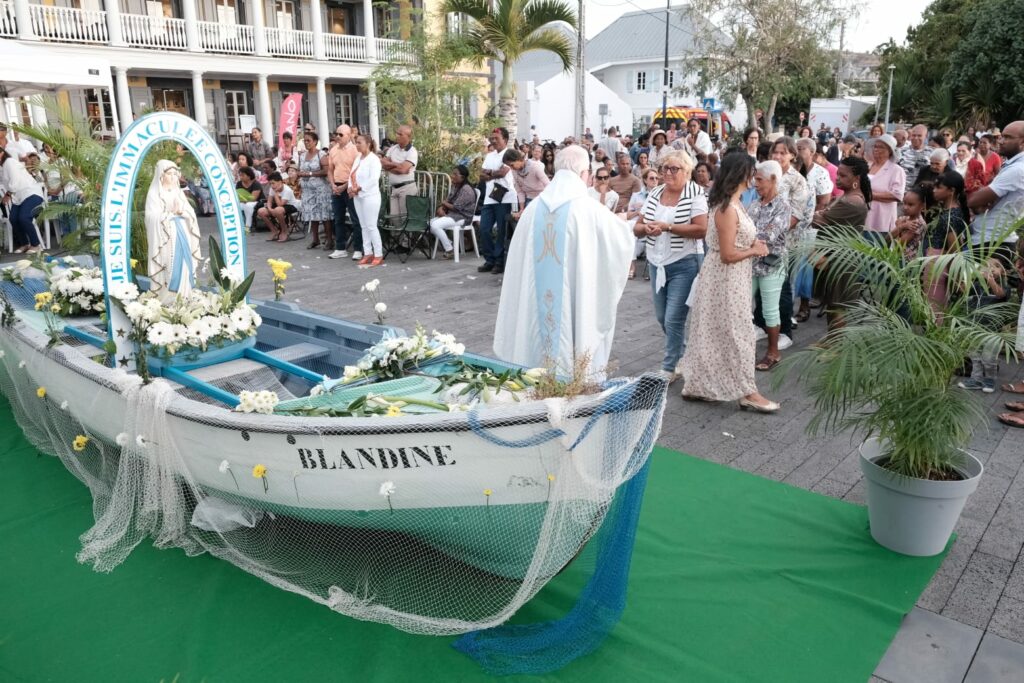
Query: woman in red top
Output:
(984,166)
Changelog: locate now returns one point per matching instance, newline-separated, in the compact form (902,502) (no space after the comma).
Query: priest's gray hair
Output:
(572,158)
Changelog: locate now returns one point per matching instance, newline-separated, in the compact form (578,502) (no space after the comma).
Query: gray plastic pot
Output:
(914,516)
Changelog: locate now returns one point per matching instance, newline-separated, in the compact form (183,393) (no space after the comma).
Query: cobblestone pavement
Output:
(977,596)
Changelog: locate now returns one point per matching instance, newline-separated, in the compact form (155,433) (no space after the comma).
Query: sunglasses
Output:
(603,177)
(671,169)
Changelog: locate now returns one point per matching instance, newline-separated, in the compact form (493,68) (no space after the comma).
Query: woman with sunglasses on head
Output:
(602,190)
(673,222)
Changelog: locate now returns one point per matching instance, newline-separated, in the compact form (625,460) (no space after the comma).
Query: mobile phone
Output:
(770,260)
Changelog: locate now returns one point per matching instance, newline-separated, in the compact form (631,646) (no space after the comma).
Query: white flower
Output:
(69,261)
(387,488)
(226,274)
(240,318)
(63,405)
(121,439)
(381,307)
(457,349)
(352,372)
(135,311)
(160,334)
(124,292)
(140,441)
(316,391)
(21,364)
(179,334)
(224,466)
(371,286)
(262,402)
(23,264)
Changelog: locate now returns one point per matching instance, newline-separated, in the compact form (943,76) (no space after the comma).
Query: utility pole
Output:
(664,75)
(839,65)
(581,74)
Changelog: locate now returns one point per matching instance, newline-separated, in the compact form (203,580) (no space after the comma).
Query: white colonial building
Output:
(219,61)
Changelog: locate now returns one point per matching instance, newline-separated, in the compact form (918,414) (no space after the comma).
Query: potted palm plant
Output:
(886,370)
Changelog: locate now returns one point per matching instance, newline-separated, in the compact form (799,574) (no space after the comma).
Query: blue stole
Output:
(549,257)
(182,256)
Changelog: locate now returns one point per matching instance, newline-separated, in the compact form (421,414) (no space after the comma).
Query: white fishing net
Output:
(435,523)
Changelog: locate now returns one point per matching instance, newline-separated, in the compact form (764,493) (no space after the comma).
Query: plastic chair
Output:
(43,237)
(457,231)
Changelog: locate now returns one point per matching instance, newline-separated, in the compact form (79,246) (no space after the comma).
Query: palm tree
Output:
(505,30)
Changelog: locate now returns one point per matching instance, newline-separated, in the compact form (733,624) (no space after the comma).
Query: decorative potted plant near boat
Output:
(887,372)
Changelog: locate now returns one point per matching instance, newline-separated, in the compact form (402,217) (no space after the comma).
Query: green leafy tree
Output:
(427,94)
(758,50)
(505,30)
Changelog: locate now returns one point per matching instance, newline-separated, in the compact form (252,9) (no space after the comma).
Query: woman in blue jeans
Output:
(673,222)
(25,195)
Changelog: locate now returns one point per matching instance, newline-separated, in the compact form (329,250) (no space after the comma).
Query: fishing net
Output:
(436,523)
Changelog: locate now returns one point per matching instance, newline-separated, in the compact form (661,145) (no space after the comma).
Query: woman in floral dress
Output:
(316,195)
(718,364)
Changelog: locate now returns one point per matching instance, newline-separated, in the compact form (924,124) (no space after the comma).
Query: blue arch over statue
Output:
(116,212)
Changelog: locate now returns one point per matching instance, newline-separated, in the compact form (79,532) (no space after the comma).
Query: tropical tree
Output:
(757,49)
(505,30)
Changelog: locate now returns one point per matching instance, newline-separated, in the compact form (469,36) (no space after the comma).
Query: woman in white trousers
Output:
(364,188)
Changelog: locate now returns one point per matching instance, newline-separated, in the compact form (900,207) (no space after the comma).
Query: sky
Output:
(879,20)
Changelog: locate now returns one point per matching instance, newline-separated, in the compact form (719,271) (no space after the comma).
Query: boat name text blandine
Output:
(376,458)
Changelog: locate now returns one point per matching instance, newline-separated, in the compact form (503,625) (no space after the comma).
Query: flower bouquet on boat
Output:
(394,478)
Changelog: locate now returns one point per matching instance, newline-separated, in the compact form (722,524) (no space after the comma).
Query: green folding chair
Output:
(409,232)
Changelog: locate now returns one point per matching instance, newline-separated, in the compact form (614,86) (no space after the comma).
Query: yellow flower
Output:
(488,492)
(393,411)
(43,299)
(41,392)
(133,262)
(259,471)
(551,477)
(55,309)
(79,443)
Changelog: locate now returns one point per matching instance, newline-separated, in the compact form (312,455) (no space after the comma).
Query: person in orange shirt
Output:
(340,158)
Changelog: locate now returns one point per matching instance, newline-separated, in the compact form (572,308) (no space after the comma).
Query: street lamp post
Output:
(888,100)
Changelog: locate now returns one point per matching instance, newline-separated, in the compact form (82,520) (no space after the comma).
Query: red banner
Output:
(288,121)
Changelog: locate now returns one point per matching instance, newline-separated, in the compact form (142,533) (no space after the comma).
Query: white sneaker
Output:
(670,375)
(356,255)
(784,342)
(759,334)
(338,253)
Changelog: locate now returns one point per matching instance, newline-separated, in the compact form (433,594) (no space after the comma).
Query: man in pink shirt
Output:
(529,177)
(340,158)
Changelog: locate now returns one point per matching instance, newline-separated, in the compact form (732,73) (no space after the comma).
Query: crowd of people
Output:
(714,220)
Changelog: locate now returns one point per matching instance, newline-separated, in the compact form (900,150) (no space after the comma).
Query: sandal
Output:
(1012,420)
(1015,406)
(766,364)
(803,315)
(314,245)
(1013,388)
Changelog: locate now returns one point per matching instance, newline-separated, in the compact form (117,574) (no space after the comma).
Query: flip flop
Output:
(766,364)
(1015,406)
(1012,420)
(1013,388)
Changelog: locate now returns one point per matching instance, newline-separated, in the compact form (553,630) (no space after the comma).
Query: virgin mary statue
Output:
(173,234)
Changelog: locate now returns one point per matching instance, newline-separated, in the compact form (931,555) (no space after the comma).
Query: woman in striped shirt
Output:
(673,222)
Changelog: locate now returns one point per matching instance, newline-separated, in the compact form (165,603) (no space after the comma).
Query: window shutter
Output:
(630,78)
(654,80)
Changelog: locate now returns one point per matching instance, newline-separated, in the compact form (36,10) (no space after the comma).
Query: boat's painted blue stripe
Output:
(290,368)
(84,336)
(199,385)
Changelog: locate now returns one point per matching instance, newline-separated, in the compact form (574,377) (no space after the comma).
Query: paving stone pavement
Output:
(980,586)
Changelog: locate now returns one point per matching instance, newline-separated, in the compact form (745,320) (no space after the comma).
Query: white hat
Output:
(890,141)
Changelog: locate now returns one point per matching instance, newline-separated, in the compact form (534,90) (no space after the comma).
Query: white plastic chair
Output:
(457,230)
(44,237)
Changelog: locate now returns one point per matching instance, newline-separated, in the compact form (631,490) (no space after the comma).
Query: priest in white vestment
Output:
(566,270)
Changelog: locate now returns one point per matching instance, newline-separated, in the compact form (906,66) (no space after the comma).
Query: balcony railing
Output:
(288,43)
(144,31)
(397,51)
(8,22)
(236,39)
(345,48)
(68,25)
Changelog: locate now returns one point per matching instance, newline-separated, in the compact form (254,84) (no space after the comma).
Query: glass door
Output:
(170,99)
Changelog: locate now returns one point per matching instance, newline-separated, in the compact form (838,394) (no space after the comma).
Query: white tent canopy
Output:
(38,71)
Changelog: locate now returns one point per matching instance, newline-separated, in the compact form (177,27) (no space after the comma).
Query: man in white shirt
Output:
(696,141)
(400,164)
(611,144)
(499,200)
(1000,204)
(570,258)
(18,147)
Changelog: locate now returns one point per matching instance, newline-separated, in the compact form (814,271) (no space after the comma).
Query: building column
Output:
(321,108)
(259,35)
(199,98)
(371,106)
(21,13)
(114,32)
(191,17)
(124,97)
(371,40)
(265,121)
(318,29)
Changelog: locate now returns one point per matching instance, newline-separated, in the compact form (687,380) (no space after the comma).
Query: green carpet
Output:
(735,578)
